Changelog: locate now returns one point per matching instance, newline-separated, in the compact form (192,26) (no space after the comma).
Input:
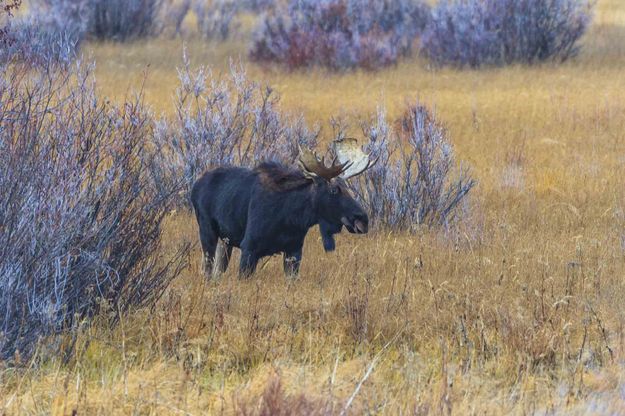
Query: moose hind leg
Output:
(209,239)
(291,262)
(221,258)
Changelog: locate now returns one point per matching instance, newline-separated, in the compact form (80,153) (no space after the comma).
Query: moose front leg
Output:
(329,244)
(209,239)
(291,262)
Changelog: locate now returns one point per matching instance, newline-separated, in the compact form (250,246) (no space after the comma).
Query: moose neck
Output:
(311,216)
(299,207)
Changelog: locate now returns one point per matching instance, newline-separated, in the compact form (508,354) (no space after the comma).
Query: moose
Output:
(269,209)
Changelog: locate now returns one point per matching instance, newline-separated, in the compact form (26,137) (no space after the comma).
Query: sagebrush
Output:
(496,32)
(215,19)
(7,8)
(39,45)
(231,122)
(416,180)
(117,20)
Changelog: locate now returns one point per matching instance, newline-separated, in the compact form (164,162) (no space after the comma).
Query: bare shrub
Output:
(229,122)
(215,18)
(39,45)
(259,5)
(238,122)
(339,34)
(123,19)
(46,35)
(496,32)
(73,16)
(7,8)
(173,14)
(80,218)
(413,182)
(118,20)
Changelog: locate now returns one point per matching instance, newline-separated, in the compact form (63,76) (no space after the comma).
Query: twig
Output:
(367,374)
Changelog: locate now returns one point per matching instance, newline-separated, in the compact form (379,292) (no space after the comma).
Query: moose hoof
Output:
(292,277)
(291,268)
(215,274)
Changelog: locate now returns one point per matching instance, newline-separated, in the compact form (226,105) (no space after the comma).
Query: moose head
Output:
(335,203)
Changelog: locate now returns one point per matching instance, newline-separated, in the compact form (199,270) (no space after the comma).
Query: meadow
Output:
(517,310)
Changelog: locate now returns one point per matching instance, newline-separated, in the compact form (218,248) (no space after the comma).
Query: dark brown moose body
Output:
(269,210)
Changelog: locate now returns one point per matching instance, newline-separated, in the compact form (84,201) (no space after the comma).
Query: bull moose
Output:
(269,209)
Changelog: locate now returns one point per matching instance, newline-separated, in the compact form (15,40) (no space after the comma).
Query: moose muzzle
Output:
(356,225)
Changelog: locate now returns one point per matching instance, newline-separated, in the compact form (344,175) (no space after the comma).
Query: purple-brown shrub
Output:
(50,32)
(54,29)
(339,34)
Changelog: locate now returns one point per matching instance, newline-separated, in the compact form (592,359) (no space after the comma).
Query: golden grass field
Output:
(519,312)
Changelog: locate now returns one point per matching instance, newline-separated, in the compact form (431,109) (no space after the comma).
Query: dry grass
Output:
(519,313)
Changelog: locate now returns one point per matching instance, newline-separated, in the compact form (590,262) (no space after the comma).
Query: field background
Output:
(518,311)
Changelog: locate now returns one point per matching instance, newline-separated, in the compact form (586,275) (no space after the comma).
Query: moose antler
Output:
(312,166)
(348,151)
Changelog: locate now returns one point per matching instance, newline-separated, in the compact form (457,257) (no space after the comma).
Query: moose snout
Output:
(356,224)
